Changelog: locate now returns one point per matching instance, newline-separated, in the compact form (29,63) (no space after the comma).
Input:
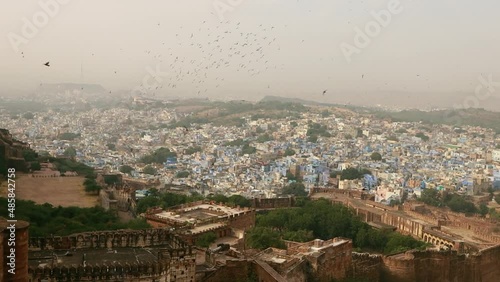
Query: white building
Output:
(495,155)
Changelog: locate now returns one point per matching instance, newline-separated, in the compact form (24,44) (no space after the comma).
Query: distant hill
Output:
(55,88)
(293,100)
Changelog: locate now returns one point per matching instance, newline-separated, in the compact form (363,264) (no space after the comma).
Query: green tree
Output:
(483,209)
(263,238)
(497,198)
(149,170)
(192,150)
(422,136)
(205,239)
(35,166)
(238,200)
(126,169)
(159,156)
(111,146)
(299,235)
(296,189)
(312,139)
(351,173)
(460,204)
(30,155)
(289,152)
(376,156)
(247,149)
(264,138)
(431,197)
(70,152)
(182,174)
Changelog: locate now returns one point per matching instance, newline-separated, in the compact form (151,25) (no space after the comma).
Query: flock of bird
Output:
(209,53)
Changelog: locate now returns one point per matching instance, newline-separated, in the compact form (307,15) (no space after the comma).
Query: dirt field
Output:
(63,191)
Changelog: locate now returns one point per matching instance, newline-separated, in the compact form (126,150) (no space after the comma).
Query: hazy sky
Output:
(428,46)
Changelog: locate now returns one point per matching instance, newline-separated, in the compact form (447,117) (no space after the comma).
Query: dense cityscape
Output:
(249,141)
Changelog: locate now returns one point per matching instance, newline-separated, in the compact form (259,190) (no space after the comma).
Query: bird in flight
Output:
(324,92)
(362,76)
(47,64)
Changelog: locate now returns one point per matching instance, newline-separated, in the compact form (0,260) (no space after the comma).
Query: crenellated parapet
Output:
(107,239)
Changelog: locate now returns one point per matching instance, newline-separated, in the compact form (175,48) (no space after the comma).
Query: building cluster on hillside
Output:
(414,156)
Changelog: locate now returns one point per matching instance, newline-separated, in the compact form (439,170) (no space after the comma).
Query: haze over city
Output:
(429,52)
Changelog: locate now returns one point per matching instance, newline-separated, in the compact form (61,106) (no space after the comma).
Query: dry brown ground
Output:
(63,191)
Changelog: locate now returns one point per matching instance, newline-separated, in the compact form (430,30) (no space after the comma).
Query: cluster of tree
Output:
(193,149)
(455,202)
(293,177)
(206,239)
(149,170)
(422,136)
(46,220)
(64,165)
(182,174)
(289,152)
(111,179)
(316,129)
(295,188)
(164,200)
(30,157)
(70,152)
(247,149)
(126,169)
(350,173)
(68,136)
(91,185)
(376,156)
(264,138)
(159,156)
(324,220)
(234,200)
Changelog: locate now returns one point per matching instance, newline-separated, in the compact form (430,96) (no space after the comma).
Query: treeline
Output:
(350,173)
(167,200)
(46,220)
(324,220)
(455,202)
(159,156)
(63,165)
